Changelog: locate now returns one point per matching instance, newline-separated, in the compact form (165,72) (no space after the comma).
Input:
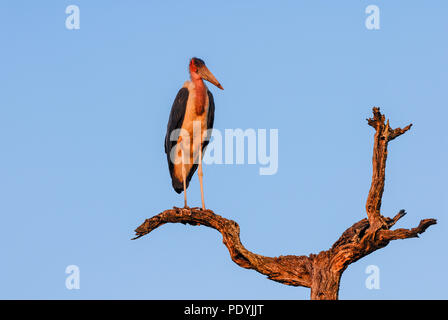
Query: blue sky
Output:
(83,115)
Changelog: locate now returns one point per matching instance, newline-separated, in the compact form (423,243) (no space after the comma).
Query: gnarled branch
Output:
(320,272)
(291,270)
(384,134)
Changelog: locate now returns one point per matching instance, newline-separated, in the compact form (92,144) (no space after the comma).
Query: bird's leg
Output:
(200,175)
(184,175)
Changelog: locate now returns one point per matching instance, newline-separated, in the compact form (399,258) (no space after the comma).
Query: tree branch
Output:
(384,134)
(291,270)
(320,272)
(388,235)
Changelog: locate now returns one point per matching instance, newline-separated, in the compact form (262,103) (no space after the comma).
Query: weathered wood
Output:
(291,270)
(322,272)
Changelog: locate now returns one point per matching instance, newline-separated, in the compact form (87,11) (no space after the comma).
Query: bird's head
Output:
(198,70)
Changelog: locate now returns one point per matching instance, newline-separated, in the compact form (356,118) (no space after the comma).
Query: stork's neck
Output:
(200,91)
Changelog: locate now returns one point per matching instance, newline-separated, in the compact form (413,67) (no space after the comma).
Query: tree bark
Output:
(320,272)
(325,280)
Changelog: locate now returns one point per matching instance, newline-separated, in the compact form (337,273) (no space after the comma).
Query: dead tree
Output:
(320,272)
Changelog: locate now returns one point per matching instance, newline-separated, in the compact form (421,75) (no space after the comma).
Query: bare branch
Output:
(384,134)
(291,270)
(398,132)
(394,220)
(388,235)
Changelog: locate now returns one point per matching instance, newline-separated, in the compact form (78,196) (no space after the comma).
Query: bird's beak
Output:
(207,75)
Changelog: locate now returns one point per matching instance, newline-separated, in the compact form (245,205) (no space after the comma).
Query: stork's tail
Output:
(178,186)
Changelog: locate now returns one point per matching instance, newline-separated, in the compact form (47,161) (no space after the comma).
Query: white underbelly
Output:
(194,129)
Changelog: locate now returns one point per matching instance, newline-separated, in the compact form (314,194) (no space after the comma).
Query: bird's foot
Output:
(183,208)
(202,209)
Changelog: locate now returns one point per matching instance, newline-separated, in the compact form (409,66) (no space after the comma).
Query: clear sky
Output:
(83,115)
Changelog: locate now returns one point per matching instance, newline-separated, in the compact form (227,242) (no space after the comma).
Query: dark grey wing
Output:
(210,118)
(175,121)
(177,115)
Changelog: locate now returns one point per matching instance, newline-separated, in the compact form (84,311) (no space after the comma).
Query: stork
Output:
(193,107)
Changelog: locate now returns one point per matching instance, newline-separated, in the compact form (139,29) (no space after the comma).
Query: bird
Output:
(189,128)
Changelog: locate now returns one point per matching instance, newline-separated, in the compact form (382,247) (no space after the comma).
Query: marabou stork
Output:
(187,133)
